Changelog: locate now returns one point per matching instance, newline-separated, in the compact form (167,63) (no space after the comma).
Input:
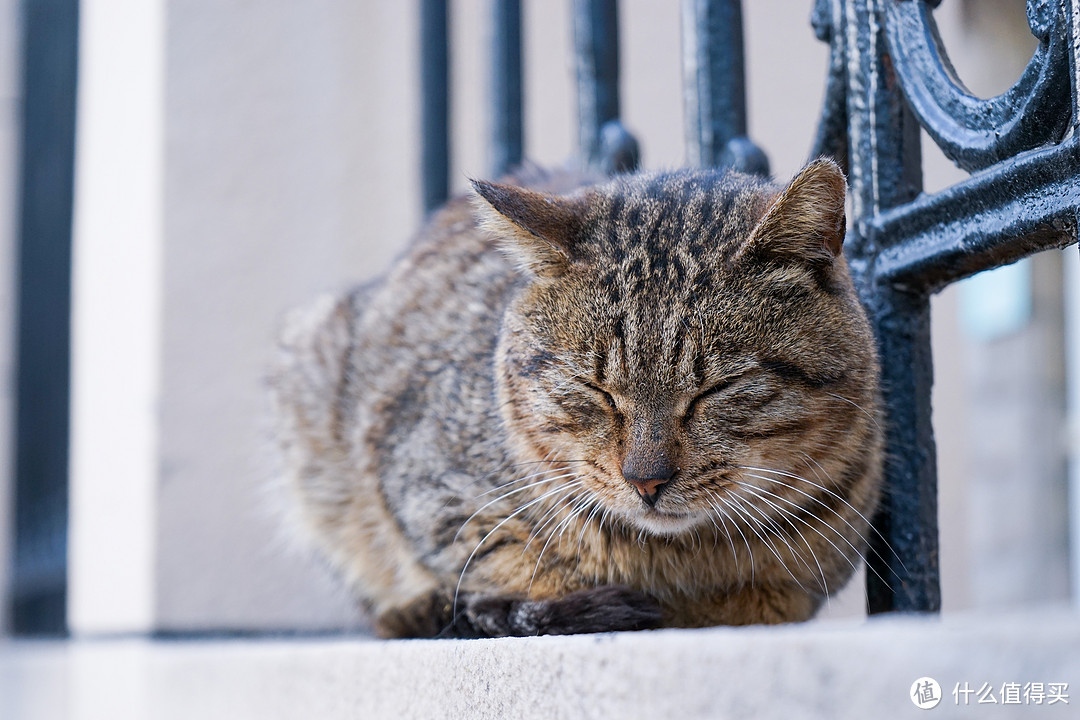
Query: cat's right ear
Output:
(806,221)
(538,231)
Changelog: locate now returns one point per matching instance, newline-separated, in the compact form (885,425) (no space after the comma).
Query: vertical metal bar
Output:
(885,171)
(904,552)
(50,59)
(714,87)
(435,102)
(714,78)
(506,86)
(1072,327)
(596,45)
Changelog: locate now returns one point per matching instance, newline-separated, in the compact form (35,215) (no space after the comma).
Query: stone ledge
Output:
(834,669)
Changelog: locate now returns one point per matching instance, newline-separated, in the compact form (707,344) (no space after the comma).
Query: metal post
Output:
(39,578)
(506,86)
(596,45)
(714,87)
(885,172)
(435,103)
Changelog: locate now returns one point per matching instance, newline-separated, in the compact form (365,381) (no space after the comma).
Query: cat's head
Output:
(685,345)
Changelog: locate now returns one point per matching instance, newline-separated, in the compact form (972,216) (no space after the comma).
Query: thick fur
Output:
(461,434)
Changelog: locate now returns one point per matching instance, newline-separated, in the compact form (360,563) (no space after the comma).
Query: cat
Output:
(581,405)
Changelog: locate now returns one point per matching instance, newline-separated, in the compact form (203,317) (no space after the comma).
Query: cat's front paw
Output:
(603,609)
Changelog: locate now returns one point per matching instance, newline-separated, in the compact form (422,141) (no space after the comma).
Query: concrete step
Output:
(827,669)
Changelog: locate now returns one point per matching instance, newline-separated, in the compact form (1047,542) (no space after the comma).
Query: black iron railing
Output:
(43,335)
(889,77)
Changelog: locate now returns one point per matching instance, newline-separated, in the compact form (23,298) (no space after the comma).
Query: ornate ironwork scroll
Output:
(890,76)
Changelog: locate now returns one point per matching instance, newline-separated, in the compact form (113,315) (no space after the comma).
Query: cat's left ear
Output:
(537,230)
(806,221)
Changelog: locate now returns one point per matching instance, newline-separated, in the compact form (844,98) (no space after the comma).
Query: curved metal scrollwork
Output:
(889,77)
(972,132)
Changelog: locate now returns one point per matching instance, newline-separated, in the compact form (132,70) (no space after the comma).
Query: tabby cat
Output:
(581,406)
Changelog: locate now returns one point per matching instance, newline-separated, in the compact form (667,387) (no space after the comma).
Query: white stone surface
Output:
(832,671)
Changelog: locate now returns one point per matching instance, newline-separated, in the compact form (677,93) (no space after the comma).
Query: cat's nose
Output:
(648,484)
(648,461)
(649,490)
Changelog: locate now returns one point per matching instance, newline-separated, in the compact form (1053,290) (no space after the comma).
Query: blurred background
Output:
(233,159)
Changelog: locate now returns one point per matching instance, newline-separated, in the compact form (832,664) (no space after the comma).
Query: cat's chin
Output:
(666,524)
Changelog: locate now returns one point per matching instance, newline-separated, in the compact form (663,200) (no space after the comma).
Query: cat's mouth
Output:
(662,522)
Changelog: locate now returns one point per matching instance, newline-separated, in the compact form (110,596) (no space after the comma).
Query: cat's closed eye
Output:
(587,405)
(603,394)
(715,390)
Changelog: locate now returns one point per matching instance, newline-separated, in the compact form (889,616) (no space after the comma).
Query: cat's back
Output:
(387,391)
(369,361)
(442,301)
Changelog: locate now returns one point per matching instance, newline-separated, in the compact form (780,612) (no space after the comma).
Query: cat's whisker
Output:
(526,478)
(759,491)
(551,536)
(603,518)
(549,516)
(778,530)
(857,406)
(753,524)
(511,466)
(833,495)
(724,517)
(585,525)
(716,536)
(821,487)
(579,506)
(812,467)
(508,518)
(726,533)
(506,495)
(735,524)
(788,485)
(740,517)
(838,515)
(754,490)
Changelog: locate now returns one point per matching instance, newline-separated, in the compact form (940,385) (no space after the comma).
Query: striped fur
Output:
(460,434)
